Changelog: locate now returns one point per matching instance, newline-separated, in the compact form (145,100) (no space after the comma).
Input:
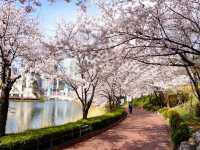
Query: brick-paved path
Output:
(140,131)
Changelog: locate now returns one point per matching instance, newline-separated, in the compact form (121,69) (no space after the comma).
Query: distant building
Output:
(33,85)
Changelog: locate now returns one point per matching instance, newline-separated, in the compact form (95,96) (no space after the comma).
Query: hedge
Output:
(46,138)
(179,129)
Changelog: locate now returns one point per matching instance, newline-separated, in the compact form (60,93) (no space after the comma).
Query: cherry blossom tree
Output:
(106,55)
(164,33)
(76,41)
(88,41)
(84,83)
(133,78)
(18,38)
(29,5)
(112,82)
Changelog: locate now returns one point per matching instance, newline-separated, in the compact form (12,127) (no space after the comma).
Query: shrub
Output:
(184,97)
(42,98)
(139,102)
(151,107)
(197,110)
(174,120)
(164,111)
(46,137)
(180,130)
(150,102)
(182,133)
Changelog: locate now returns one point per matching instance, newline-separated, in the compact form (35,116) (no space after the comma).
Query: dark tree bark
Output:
(7,84)
(110,104)
(4,104)
(83,97)
(86,104)
(4,98)
(85,113)
(195,78)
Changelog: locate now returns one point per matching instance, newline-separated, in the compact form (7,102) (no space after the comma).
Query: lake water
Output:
(25,115)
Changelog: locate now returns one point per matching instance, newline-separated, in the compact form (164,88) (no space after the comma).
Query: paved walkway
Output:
(140,131)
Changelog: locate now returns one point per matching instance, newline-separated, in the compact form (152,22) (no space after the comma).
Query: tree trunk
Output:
(85,113)
(197,90)
(194,77)
(4,103)
(110,104)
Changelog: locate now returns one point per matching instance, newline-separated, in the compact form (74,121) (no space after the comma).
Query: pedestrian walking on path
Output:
(130,108)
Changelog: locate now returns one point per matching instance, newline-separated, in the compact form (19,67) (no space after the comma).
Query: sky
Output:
(50,14)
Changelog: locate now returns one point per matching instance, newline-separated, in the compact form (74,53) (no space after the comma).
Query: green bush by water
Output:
(42,98)
(47,137)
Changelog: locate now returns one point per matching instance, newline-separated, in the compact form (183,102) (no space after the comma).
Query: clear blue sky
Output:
(50,14)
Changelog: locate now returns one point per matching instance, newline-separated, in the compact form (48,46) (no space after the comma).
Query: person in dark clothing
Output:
(130,108)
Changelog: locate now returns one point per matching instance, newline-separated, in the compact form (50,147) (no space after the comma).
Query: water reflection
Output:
(31,115)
